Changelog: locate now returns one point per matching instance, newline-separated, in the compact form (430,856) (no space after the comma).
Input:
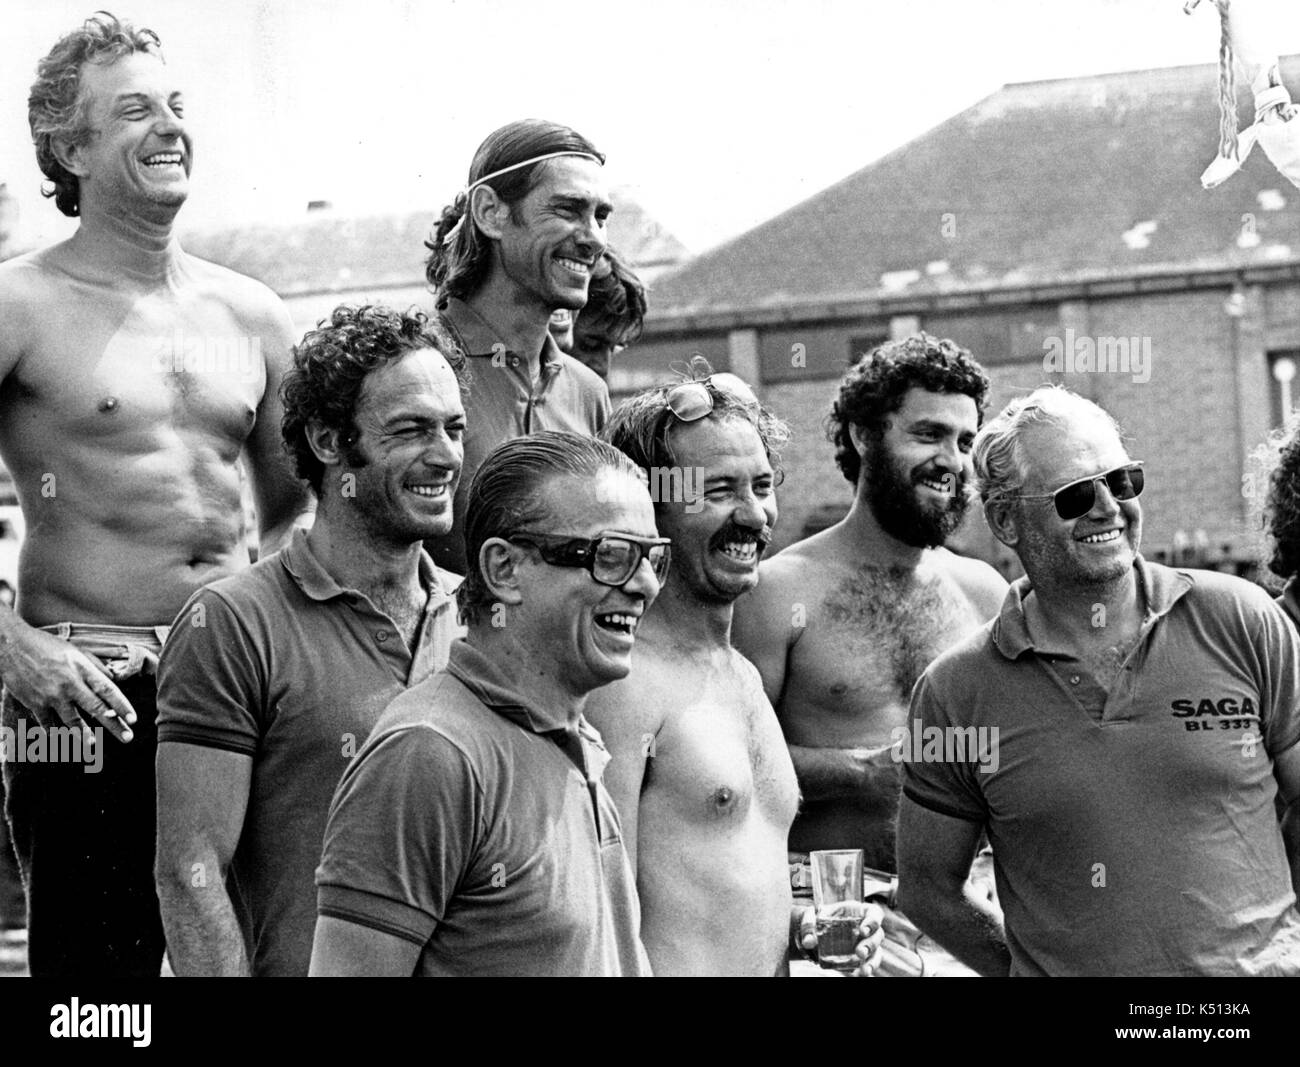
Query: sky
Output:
(714,114)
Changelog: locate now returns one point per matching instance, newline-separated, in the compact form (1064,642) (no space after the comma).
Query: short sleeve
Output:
(602,409)
(1278,655)
(211,679)
(402,834)
(948,787)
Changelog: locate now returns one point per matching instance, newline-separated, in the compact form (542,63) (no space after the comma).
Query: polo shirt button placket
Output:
(381,635)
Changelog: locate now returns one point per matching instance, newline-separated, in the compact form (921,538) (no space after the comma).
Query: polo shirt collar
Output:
(317,583)
(1161,586)
(477,338)
(489,684)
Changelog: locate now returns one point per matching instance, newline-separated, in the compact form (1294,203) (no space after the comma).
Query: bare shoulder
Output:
(984,587)
(253,302)
(751,680)
(798,566)
(30,286)
(636,706)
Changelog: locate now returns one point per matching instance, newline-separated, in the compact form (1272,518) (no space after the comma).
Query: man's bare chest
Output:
(141,368)
(721,754)
(876,634)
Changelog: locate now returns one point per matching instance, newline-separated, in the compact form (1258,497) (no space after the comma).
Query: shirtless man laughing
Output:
(133,378)
(842,624)
(700,772)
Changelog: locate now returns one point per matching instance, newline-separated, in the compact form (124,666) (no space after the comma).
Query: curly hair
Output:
(56,107)
(878,381)
(616,301)
(1282,509)
(458,268)
(331,365)
(509,494)
(641,426)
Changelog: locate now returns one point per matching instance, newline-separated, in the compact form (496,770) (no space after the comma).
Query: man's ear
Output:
(69,155)
(325,442)
(858,435)
(1000,514)
(488,211)
(498,562)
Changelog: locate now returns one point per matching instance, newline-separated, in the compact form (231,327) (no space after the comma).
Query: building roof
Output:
(1041,182)
(326,252)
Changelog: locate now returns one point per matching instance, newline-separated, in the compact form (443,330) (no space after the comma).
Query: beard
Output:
(901,513)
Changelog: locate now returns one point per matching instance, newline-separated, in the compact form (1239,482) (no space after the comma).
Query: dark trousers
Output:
(13,901)
(85,844)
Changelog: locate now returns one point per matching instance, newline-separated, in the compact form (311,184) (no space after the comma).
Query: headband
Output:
(451,234)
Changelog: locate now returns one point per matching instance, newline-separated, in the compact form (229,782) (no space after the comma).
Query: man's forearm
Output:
(1291,840)
(203,934)
(829,773)
(969,928)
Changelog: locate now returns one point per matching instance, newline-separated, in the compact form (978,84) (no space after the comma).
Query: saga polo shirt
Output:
(474,824)
(1143,840)
(281,664)
(505,403)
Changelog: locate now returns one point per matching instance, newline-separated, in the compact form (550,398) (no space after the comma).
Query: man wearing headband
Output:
(520,242)
(134,379)
(700,772)
(1144,720)
(842,624)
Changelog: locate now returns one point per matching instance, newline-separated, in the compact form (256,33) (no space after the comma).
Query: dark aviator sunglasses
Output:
(1075,500)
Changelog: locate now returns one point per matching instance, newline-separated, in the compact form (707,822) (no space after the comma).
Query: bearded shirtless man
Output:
(700,773)
(842,624)
(133,378)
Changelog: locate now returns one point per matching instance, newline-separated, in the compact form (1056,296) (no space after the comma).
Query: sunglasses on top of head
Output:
(691,401)
(1075,500)
(611,559)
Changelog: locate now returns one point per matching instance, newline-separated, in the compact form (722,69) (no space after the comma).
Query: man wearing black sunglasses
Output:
(700,771)
(473,834)
(1145,720)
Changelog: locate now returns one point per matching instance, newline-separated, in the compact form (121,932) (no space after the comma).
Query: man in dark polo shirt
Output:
(1121,731)
(518,243)
(272,679)
(473,836)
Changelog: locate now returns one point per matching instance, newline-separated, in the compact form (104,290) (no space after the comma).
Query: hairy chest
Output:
(871,636)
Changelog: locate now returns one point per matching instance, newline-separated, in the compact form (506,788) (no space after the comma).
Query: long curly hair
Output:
(1282,503)
(56,107)
(331,364)
(457,267)
(876,384)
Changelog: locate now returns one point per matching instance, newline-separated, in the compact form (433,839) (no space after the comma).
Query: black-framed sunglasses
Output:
(611,559)
(691,401)
(1075,500)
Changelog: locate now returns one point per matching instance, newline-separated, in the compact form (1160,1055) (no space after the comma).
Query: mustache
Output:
(733,533)
(935,475)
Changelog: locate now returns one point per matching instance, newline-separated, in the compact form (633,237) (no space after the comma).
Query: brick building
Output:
(1060,218)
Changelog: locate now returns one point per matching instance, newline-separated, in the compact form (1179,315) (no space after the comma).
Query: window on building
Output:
(1283,387)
